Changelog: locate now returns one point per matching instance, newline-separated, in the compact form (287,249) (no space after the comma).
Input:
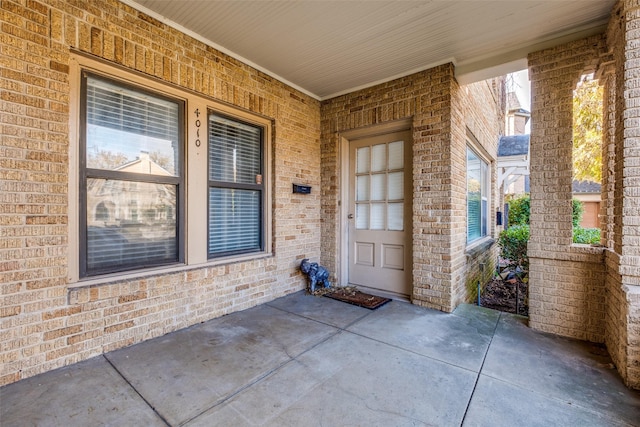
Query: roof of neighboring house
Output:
(144,164)
(513,145)
(586,187)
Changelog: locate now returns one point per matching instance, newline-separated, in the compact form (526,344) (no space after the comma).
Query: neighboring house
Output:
(513,150)
(517,117)
(513,164)
(403,178)
(589,193)
(513,178)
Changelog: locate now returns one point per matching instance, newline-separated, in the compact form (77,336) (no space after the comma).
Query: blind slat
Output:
(130,228)
(234,220)
(477,186)
(235,151)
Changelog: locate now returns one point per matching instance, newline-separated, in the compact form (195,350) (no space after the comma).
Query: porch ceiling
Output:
(327,48)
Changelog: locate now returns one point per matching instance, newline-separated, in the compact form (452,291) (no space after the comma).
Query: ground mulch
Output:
(501,294)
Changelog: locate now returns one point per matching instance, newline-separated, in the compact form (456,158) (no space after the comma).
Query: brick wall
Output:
(49,322)
(621,190)
(583,292)
(479,114)
(440,112)
(566,288)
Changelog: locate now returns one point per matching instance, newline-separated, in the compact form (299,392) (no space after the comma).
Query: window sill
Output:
(478,247)
(108,279)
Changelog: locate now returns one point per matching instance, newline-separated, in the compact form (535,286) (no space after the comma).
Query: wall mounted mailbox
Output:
(302,189)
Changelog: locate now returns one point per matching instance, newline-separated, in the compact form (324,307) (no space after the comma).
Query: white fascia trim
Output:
(216,46)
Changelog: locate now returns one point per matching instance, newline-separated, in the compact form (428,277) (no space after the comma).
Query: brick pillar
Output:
(623,327)
(566,288)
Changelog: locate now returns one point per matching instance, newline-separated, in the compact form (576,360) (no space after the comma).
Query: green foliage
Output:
(588,236)
(587,131)
(513,245)
(519,210)
(578,211)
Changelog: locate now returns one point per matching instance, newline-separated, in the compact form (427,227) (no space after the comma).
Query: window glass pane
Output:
(379,158)
(396,186)
(130,224)
(362,216)
(234,221)
(235,151)
(363,159)
(474,196)
(377,216)
(485,179)
(483,215)
(395,212)
(396,155)
(130,130)
(362,184)
(378,186)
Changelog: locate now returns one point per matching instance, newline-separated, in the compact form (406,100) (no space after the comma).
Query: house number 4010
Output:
(197,113)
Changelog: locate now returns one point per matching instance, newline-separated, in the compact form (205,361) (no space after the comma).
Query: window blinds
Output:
(120,108)
(235,187)
(130,218)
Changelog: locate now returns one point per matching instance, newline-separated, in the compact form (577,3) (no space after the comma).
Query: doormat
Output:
(358,298)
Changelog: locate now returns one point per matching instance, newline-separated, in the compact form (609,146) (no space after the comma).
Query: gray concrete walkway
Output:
(312,361)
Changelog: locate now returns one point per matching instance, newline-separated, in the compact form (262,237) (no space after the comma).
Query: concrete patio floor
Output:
(311,361)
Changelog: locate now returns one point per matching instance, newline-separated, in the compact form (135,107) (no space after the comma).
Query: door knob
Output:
(350,216)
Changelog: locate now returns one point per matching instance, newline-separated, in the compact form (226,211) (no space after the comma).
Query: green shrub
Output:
(588,236)
(519,210)
(578,210)
(513,245)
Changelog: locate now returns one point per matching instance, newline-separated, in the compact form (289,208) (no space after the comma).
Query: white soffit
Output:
(327,48)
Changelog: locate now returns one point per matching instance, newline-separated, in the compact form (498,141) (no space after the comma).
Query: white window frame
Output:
(485,195)
(195,172)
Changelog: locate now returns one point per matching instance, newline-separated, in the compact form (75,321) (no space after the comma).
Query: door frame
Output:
(345,138)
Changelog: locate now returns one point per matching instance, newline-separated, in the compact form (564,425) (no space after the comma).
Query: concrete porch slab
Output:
(353,380)
(499,403)
(325,310)
(459,340)
(574,372)
(184,373)
(88,393)
(307,361)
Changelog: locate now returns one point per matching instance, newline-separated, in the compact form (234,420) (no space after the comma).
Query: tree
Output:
(161,160)
(108,160)
(587,131)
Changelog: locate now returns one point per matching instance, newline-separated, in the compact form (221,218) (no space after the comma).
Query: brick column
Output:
(566,288)
(623,326)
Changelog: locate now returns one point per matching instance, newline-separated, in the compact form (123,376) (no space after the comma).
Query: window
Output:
(236,189)
(131,180)
(477,196)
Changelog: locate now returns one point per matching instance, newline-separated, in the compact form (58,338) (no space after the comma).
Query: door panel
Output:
(379,203)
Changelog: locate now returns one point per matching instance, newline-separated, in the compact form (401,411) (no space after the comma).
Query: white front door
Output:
(380,212)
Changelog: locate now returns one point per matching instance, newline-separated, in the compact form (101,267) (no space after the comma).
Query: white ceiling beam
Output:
(479,69)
